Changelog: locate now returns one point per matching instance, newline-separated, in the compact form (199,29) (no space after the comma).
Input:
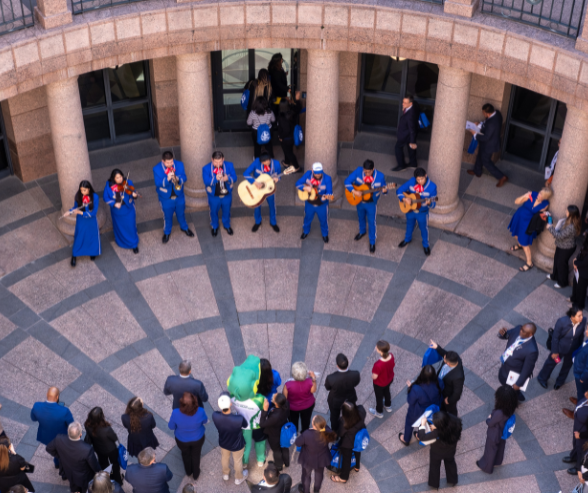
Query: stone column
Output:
(195,113)
(451,106)
(70,147)
(52,13)
(569,181)
(322,114)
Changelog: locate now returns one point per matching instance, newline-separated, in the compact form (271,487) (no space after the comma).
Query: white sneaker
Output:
(260,464)
(549,276)
(557,286)
(376,413)
(225,477)
(239,481)
(388,409)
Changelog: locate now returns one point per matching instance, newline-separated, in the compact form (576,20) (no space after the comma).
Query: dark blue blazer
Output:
(419,398)
(489,142)
(176,386)
(408,126)
(581,418)
(53,420)
(563,342)
(150,479)
(581,364)
(522,360)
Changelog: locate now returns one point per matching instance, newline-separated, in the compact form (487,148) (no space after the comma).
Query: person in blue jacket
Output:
(366,209)
(264,164)
(323,184)
(422,185)
(219,177)
(169,178)
(581,370)
(122,210)
(422,393)
(87,233)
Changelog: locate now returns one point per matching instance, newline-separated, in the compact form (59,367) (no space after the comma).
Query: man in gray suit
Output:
(176,385)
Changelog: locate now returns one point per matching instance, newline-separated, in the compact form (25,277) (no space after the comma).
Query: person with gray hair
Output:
(103,484)
(300,395)
(189,488)
(176,385)
(76,457)
(148,476)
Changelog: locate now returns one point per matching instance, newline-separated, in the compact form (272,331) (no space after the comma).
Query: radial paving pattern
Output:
(119,326)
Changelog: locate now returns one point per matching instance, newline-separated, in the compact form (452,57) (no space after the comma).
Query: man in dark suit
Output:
(489,143)
(406,134)
(53,418)
(520,356)
(341,386)
(147,476)
(581,371)
(273,481)
(580,417)
(568,335)
(176,385)
(76,457)
(451,378)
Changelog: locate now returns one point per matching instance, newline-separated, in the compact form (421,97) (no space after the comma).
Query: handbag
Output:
(550,336)
(29,468)
(579,488)
(123,456)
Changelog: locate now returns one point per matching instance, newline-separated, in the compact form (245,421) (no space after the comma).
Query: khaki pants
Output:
(237,462)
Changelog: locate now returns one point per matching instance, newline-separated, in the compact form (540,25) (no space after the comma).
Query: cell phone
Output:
(557,360)
(303,96)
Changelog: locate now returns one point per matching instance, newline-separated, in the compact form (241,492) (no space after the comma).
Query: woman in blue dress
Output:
(531,203)
(122,209)
(87,233)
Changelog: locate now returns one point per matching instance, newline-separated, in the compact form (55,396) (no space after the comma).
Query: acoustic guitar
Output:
(416,202)
(304,196)
(365,192)
(253,197)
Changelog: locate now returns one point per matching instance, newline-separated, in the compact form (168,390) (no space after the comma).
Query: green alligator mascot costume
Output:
(248,403)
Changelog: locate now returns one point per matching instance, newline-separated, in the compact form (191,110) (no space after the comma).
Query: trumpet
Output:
(176,182)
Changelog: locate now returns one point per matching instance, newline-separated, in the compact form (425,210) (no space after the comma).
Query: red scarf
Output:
(419,188)
(314,182)
(368,180)
(85,199)
(169,170)
(266,169)
(217,171)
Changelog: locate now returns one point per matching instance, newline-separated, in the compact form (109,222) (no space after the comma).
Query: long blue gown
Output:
(522,217)
(87,233)
(124,220)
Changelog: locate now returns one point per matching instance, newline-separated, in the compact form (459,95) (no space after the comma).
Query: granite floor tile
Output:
(6,327)
(281,281)
(247,278)
(486,225)
(244,237)
(281,339)
(255,338)
(14,430)
(387,433)
(544,306)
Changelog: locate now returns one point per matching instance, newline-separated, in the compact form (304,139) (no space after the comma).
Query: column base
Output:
(55,20)
(452,214)
(67,225)
(196,199)
(545,251)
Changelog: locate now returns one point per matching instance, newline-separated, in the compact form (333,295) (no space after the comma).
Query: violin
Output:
(124,187)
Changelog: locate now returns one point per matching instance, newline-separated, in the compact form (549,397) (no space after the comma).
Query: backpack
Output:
(287,435)
(298,135)
(509,427)
(362,440)
(336,457)
(263,134)
(424,121)
(245,99)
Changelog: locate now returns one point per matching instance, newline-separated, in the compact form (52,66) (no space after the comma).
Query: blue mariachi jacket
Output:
(210,181)
(325,187)
(430,190)
(256,168)
(356,178)
(163,186)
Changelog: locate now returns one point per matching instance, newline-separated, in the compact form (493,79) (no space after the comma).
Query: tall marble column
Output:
(570,179)
(322,114)
(195,116)
(451,105)
(69,144)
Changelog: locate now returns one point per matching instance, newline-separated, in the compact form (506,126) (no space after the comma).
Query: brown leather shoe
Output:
(502,181)
(471,172)
(574,401)
(568,413)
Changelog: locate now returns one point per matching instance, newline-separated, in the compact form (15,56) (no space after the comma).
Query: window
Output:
(5,163)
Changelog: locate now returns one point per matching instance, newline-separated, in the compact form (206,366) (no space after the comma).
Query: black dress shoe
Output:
(136,250)
(400,168)
(326,239)
(573,471)
(188,233)
(73,261)
(568,460)
(359,236)
(214,232)
(543,384)
(92,258)
(255,227)
(556,387)
(521,397)
(403,243)
(275,227)
(165,238)
(304,235)
(427,251)
(229,231)
(372,248)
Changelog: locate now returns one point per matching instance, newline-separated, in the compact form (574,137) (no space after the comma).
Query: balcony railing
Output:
(559,16)
(15,15)
(81,6)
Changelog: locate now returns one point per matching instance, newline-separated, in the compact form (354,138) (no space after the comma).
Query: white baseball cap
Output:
(224,402)
(317,167)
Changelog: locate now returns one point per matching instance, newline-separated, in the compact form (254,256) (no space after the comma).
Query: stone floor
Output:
(215,300)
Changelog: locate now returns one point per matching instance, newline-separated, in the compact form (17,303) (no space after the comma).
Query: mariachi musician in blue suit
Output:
(264,164)
(219,177)
(120,195)
(87,233)
(323,185)
(169,178)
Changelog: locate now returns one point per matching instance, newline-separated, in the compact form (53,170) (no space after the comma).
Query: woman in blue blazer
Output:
(422,393)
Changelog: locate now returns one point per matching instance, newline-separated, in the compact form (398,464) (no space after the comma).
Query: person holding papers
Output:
(518,361)
(580,416)
(564,233)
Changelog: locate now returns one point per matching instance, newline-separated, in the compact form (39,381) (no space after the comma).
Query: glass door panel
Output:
(97,127)
(92,89)
(127,82)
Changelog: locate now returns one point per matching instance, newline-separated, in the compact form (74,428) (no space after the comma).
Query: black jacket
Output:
(582,266)
(13,475)
(314,453)
(149,479)
(284,485)
(76,458)
(271,422)
(408,126)
(279,81)
(563,341)
(144,437)
(341,386)
(348,436)
(523,359)
(453,383)
(176,386)
(489,141)
(105,440)
(286,127)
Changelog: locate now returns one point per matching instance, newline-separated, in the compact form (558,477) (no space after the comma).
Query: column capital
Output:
(463,8)
(52,13)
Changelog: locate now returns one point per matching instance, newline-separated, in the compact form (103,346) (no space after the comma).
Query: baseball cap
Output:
(224,402)
(317,167)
